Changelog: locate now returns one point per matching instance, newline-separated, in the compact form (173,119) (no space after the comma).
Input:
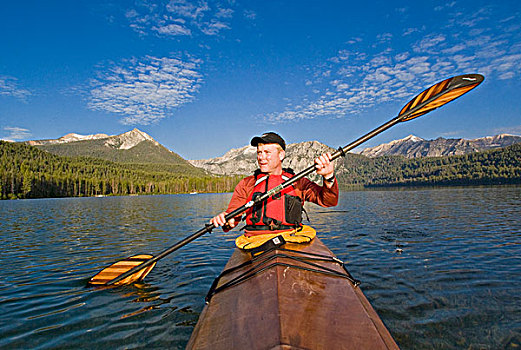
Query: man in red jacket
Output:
(284,210)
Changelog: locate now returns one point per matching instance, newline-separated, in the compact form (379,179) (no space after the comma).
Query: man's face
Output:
(269,158)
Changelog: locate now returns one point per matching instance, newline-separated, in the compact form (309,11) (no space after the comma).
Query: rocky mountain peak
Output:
(411,138)
(129,139)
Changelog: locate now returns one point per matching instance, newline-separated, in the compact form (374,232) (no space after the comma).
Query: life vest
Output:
(302,234)
(278,213)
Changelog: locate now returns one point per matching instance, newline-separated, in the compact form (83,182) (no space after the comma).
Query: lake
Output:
(441,266)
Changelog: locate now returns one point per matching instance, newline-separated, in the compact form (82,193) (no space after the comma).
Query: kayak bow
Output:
(296,297)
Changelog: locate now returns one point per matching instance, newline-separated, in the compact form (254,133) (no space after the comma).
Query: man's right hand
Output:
(220,220)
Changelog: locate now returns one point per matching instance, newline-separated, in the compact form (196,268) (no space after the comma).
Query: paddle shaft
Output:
(340,152)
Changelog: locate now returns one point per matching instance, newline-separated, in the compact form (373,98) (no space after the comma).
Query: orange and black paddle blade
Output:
(439,94)
(122,266)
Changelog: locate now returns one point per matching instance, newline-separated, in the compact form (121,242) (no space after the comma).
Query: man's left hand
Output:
(324,166)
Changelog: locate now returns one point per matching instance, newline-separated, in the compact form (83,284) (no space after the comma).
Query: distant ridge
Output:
(134,146)
(416,147)
(242,161)
(72,137)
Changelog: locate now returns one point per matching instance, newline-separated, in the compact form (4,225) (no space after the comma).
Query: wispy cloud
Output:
(9,87)
(366,74)
(449,134)
(249,14)
(513,130)
(172,29)
(143,91)
(180,17)
(429,44)
(445,6)
(16,133)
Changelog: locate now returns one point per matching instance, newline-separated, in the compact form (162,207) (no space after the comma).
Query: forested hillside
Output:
(27,172)
(499,166)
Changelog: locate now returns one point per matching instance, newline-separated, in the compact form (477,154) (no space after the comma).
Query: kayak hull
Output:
(287,307)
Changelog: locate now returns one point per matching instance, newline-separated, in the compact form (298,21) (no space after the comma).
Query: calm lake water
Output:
(441,266)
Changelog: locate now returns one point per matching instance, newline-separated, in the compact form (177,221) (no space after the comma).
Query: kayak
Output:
(293,296)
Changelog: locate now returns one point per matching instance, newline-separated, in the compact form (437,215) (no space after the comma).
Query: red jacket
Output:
(307,190)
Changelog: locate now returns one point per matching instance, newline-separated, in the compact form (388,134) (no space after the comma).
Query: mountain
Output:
(237,161)
(243,161)
(72,137)
(414,147)
(134,146)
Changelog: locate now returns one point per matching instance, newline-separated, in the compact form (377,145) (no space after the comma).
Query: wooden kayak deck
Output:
(286,307)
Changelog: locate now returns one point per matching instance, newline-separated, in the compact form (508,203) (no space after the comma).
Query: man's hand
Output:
(220,220)
(324,166)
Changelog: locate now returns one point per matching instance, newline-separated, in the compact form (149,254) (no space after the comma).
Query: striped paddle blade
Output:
(439,94)
(122,266)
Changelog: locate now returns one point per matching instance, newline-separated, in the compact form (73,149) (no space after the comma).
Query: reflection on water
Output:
(441,266)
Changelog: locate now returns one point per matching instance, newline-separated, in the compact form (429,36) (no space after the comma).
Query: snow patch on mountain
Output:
(72,137)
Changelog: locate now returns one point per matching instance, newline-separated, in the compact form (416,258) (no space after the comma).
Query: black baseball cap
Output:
(269,137)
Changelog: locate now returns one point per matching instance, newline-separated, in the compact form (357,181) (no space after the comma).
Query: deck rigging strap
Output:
(304,257)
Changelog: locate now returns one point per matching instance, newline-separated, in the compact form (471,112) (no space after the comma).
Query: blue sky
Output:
(205,76)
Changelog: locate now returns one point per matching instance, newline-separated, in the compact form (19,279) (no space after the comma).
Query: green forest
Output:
(28,172)
(499,166)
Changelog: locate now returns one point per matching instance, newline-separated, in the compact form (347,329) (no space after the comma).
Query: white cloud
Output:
(224,13)
(173,29)
(354,40)
(9,87)
(445,6)
(188,9)
(147,90)
(429,43)
(180,17)
(384,38)
(452,134)
(16,133)
(409,31)
(513,130)
(251,15)
(363,77)
(454,49)
(213,28)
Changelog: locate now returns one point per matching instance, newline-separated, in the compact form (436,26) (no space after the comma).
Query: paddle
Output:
(129,270)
